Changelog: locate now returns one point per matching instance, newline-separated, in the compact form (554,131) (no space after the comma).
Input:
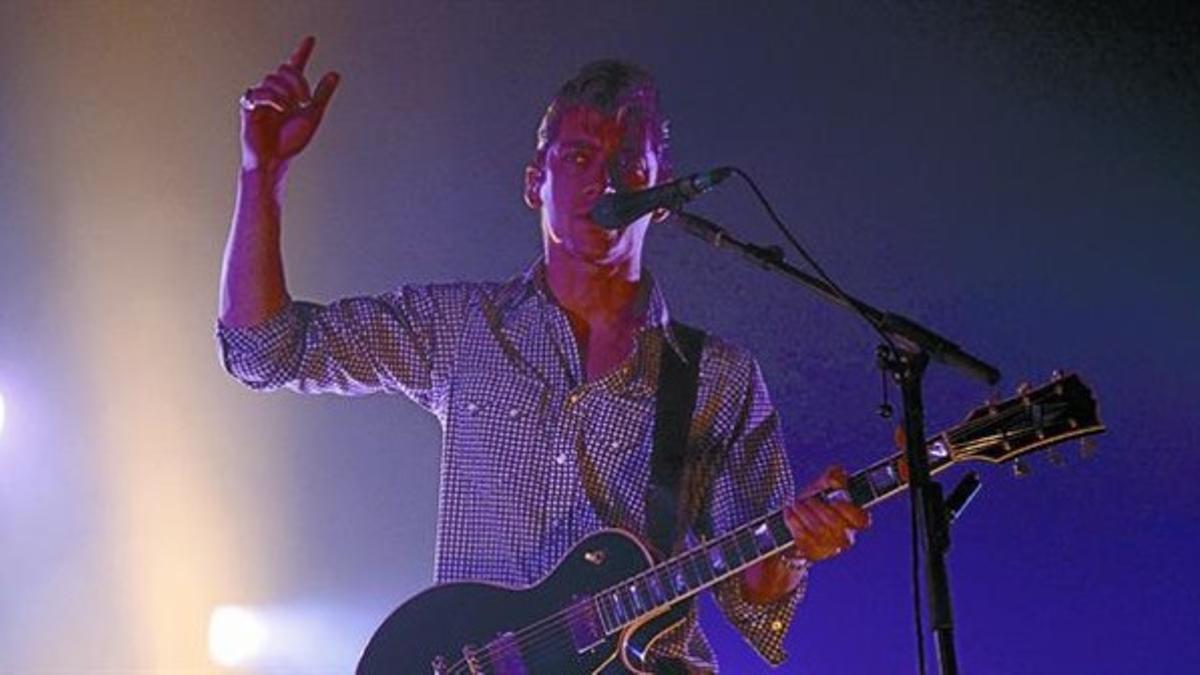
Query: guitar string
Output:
(539,633)
(533,653)
(536,635)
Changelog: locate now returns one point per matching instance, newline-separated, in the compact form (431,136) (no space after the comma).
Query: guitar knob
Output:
(1055,457)
(1020,468)
(1087,448)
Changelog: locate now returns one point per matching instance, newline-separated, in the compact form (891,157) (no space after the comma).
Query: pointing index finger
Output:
(299,58)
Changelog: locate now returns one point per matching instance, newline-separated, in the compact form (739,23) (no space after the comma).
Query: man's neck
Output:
(599,295)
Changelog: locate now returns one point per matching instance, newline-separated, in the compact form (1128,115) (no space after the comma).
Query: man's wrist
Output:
(262,172)
(795,560)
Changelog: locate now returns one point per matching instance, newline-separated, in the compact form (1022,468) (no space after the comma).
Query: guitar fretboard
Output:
(718,559)
(1055,412)
(693,571)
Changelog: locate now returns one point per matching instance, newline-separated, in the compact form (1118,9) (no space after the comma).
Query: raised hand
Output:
(280,114)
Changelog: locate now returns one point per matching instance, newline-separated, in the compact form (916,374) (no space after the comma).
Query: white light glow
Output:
(1,414)
(235,635)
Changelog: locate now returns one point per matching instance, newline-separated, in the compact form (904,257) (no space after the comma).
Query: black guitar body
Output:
(550,628)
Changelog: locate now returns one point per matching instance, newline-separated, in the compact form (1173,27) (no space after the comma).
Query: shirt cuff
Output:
(252,353)
(764,627)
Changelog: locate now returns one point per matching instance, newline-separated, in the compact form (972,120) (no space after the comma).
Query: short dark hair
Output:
(608,85)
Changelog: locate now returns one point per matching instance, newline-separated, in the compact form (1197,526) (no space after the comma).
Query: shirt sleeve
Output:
(755,478)
(401,341)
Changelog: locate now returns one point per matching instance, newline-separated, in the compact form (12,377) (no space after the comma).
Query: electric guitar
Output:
(607,600)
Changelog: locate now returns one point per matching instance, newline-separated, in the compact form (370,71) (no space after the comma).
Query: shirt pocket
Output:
(497,431)
(615,468)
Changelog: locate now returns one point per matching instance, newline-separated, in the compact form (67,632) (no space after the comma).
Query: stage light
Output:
(1,413)
(236,635)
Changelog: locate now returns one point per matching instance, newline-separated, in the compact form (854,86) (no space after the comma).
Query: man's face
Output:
(592,154)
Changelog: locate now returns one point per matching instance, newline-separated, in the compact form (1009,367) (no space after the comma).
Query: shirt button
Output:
(513,412)
(776,625)
(573,399)
(471,407)
(560,459)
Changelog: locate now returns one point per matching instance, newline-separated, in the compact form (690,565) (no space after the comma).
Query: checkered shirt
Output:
(534,457)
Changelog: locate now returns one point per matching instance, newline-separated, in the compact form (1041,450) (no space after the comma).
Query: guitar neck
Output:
(720,558)
(998,432)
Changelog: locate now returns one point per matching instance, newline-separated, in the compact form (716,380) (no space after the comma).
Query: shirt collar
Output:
(532,283)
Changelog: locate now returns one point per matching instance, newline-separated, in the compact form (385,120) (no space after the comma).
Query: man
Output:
(545,384)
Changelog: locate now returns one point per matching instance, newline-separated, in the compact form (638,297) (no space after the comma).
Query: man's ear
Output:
(533,186)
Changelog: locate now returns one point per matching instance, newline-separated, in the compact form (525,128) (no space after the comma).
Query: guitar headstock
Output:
(1062,409)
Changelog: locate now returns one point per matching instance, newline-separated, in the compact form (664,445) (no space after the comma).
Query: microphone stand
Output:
(915,346)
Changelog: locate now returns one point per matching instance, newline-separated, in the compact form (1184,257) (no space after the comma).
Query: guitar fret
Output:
(729,555)
(641,598)
(606,621)
(658,594)
(745,544)
(628,608)
(779,529)
(704,567)
(679,579)
(614,608)
(664,575)
(764,542)
(691,571)
(610,620)
(861,491)
(630,593)
(884,478)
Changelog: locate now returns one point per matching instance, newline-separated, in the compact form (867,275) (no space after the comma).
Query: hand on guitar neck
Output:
(823,526)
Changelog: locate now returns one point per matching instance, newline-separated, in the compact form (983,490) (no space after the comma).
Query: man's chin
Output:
(601,253)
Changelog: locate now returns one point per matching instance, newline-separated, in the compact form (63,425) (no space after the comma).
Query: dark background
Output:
(1020,176)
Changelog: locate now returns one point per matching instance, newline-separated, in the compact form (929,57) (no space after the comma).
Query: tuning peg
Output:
(1024,388)
(1055,457)
(1020,469)
(1057,374)
(1087,448)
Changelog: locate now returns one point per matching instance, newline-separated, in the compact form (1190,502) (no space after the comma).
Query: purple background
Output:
(1024,180)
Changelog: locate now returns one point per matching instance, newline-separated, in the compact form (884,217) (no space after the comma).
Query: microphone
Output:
(615,211)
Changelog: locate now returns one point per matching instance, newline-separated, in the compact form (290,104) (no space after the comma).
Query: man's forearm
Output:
(253,288)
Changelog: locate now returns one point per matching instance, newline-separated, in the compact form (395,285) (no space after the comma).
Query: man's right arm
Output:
(253,288)
(398,341)
(279,117)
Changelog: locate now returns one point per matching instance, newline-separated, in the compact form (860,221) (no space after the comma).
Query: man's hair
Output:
(609,86)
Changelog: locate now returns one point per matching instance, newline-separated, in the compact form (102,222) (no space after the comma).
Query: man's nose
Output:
(612,177)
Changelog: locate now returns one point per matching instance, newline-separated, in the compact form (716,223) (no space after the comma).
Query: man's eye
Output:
(578,158)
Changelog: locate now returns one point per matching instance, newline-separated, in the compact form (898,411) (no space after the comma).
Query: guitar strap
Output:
(670,510)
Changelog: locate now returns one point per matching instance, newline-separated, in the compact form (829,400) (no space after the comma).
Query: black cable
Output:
(915,515)
(809,259)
